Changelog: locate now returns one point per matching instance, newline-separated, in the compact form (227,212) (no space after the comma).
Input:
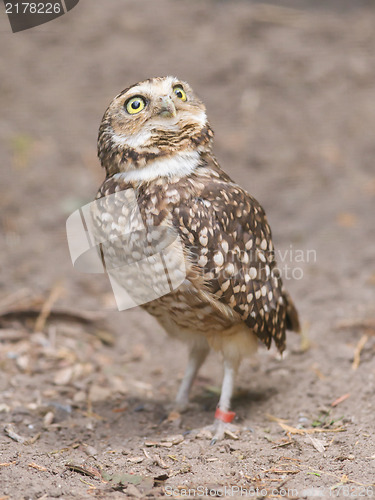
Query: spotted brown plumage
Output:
(233,292)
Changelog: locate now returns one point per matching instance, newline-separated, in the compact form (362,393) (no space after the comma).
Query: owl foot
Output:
(218,431)
(221,429)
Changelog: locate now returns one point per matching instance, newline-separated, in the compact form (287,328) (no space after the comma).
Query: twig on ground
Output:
(23,298)
(68,314)
(340,400)
(293,430)
(40,468)
(357,351)
(86,471)
(55,293)
(10,432)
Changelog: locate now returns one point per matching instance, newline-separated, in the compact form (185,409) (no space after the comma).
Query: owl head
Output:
(150,120)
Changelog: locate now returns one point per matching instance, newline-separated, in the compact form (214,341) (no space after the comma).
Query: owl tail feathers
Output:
(292,319)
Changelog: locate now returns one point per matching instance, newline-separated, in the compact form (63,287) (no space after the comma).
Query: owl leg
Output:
(223,415)
(197,355)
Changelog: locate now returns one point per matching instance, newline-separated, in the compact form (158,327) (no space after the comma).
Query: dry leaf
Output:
(317,443)
(174,439)
(166,442)
(231,434)
(151,443)
(136,460)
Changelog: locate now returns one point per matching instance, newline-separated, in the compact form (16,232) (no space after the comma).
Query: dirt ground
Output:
(84,389)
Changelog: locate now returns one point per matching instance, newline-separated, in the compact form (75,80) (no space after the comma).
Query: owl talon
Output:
(223,430)
(218,431)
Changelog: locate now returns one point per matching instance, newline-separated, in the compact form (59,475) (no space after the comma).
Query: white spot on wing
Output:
(252,273)
(219,259)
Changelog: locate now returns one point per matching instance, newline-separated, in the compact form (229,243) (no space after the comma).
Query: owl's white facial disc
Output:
(164,106)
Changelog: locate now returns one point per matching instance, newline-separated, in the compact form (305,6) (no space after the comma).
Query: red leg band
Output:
(225,416)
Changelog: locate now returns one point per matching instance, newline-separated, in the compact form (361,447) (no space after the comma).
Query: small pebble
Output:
(90,451)
(48,418)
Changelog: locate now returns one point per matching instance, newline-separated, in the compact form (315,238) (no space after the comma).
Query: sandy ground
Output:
(290,94)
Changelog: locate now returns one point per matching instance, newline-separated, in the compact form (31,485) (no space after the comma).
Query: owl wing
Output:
(229,241)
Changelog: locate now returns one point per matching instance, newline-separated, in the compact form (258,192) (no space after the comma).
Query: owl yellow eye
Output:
(180,92)
(135,105)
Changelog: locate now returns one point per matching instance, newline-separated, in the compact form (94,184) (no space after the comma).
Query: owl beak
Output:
(167,108)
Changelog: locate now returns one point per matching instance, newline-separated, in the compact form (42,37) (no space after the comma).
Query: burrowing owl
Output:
(155,139)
